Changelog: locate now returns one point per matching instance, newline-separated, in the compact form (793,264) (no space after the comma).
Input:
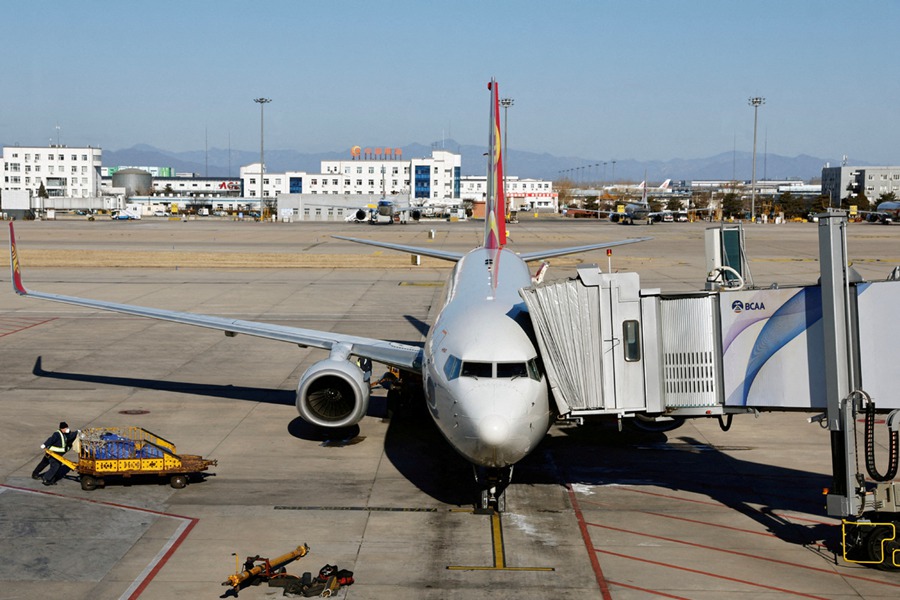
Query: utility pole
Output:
(755,102)
(262,205)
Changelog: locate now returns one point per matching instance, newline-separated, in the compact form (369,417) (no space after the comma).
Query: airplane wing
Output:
(526,256)
(430,252)
(542,254)
(386,352)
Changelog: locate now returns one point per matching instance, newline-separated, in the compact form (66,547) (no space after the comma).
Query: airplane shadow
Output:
(298,428)
(591,455)
(421,326)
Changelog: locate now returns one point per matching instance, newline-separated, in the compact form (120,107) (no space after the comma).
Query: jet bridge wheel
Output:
(880,547)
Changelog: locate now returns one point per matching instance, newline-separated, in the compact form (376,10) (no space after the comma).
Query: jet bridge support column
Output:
(843,499)
(870,521)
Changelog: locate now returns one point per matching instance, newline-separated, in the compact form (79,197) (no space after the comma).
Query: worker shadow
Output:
(642,463)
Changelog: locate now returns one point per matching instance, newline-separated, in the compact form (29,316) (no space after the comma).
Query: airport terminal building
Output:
(366,172)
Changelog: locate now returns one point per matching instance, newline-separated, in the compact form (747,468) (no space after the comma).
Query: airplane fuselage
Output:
(482,377)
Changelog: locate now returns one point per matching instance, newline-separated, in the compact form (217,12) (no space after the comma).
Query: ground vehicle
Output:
(129,451)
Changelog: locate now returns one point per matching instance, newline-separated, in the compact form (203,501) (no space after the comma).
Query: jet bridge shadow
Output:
(601,455)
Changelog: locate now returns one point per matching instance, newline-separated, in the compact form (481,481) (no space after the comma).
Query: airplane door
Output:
(622,352)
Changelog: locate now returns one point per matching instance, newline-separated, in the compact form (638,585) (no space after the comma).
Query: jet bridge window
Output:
(631,335)
(477,369)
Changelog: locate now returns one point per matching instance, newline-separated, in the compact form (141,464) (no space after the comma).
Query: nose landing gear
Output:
(492,484)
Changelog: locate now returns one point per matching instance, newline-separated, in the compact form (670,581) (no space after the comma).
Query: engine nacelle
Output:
(362,215)
(333,393)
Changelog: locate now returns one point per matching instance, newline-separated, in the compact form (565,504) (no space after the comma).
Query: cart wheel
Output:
(88,483)
(178,481)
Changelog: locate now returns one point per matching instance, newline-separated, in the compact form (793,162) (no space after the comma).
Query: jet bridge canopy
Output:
(609,347)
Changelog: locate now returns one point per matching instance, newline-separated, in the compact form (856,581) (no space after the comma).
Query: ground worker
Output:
(59,442)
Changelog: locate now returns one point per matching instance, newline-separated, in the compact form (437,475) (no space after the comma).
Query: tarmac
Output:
(695,513)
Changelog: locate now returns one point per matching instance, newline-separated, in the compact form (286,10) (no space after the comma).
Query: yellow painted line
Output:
(498,552)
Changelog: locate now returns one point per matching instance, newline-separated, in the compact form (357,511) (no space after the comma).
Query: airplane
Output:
(638,210)
(885,213)
(480,370)
(384,212)
(664,187)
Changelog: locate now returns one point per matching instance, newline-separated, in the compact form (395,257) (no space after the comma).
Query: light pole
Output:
(262,205)
(505,103)
(755,102)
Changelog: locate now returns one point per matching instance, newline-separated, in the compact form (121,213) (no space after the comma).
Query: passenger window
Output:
(631,334)
(477,369)
(511,370)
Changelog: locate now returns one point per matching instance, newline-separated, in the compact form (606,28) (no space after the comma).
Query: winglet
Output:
(14,263)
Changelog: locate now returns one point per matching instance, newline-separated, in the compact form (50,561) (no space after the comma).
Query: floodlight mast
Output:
(755,102)
(262,205)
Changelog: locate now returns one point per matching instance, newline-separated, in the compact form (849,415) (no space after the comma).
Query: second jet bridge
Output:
(611,348)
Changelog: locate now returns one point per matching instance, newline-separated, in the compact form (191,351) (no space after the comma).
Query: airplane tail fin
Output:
(665,184)
(14,264)
(495,203)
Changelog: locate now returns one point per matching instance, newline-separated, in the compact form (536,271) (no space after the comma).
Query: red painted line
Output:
(586,536)
(708,574)
(743,554)
(165,558)
(160,563)
(640,589)
(708,524)
(716,504)
(27,327)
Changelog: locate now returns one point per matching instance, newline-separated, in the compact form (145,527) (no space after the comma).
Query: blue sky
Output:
(593,79)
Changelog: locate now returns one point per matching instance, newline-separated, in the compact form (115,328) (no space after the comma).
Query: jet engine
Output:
(333,393)
(361,215)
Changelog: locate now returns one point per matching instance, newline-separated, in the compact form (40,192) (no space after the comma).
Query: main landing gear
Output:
(492,484)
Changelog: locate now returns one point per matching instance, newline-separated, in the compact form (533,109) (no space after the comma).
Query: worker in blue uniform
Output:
(59,442)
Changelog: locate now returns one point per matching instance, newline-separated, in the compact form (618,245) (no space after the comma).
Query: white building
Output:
(65,172)
(365,173)
(523,194)
(840,183)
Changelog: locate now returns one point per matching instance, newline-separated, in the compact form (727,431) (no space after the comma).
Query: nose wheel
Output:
(492,484)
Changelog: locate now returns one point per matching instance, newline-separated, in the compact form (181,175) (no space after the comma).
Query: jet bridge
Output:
(612,348)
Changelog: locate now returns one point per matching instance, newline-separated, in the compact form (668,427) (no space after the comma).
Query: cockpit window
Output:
(511,370)
(533,370)
(477,369)
(451,367)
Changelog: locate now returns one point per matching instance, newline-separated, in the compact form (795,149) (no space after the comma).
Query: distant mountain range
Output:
(219,162)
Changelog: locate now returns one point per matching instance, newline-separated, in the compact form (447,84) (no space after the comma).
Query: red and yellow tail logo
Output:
(14,260)
(495,207)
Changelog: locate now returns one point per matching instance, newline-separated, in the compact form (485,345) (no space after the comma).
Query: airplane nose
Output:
(493,430)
